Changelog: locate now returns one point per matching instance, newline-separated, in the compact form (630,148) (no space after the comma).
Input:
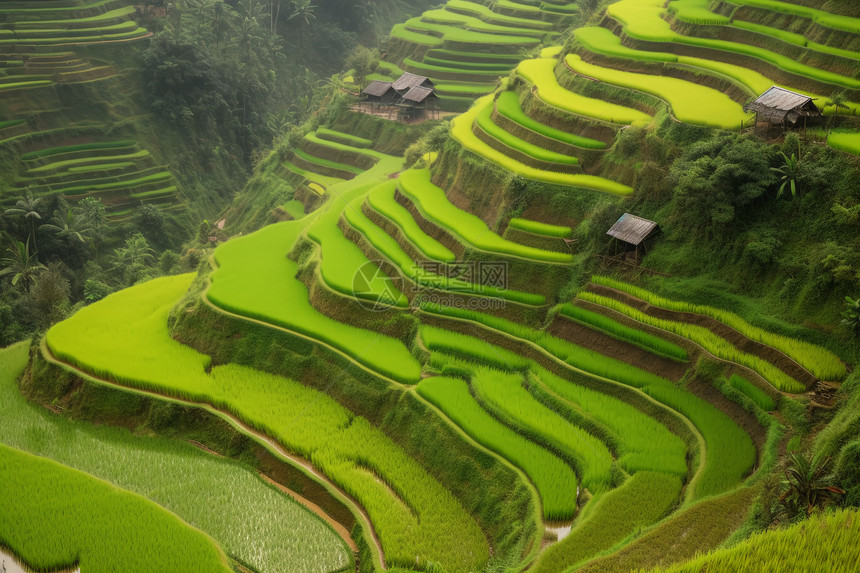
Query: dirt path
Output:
(772,355)
(10,564)
(595,340)
(263,439)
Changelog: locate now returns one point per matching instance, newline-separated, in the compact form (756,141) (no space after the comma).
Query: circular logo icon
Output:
(375,290)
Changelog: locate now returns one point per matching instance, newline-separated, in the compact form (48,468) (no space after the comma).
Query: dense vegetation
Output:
(415,322)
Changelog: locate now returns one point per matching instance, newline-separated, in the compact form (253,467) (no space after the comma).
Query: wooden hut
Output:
(633,230)
(779,106)
(407,81)
(380,93)
(418,100)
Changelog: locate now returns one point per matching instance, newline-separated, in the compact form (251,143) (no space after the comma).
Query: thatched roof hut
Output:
(380,92)
(783,107)
(419,95)
(408,81)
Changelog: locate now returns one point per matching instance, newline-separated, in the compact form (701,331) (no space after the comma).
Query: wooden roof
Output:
(779,105)
(407,81)
(377,88)
(632,229)
(418,94)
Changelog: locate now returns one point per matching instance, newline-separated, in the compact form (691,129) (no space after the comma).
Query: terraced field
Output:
(450,45)
(243,513)
(358,342)
(118,172)
(67,22)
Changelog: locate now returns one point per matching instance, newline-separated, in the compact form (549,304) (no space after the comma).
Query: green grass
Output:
(541,73)
(401,32)
(476,24)
(504,394)
(79,147)
(697,12)
(25,84)
(508,105)
(847,141)
(484,121)
(819,361)
(446,53)
(617,330)
(382,200)
(429,69)
(389,248)
(583,359)
(327,162)
(466,88)
(824,542)
(11,123)
(463,36)
(126,335)
(154,193)
(433,204)
(101,167)
(344,267)
(109,15)
(642,20)
(127,183)
(716,345)
(296,209)
(757,395)
(256,279)
(683,535)
(690,102)
(488,15)
(54,517)
(611,517)
(554,480)
(228,501)
(70,163)
(643,443)
(344,138)
(730,451)
(538,228)
(450,342)
(821,17)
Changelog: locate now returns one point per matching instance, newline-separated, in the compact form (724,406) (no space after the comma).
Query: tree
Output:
(133,261)
(51,295)
(70,227)
(789,174)
(839,99)
(851,314)
(808,486)
(21,264)
(28,207)
(303,9)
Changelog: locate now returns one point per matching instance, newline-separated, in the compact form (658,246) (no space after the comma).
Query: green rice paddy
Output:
(248,517)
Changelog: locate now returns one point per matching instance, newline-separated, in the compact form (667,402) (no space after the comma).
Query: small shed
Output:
(408,81)
(784,107)
(380,93)
(633,230)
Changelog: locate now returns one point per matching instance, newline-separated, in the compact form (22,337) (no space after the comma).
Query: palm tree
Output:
(789,174)
(71,228)
(28,207)
(21,264)
(809,484)
(303,9)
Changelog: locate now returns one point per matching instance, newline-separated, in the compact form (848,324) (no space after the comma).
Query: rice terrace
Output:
(463,286)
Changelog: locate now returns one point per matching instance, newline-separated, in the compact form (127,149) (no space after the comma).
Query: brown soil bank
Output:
(630,353)
(743,343)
